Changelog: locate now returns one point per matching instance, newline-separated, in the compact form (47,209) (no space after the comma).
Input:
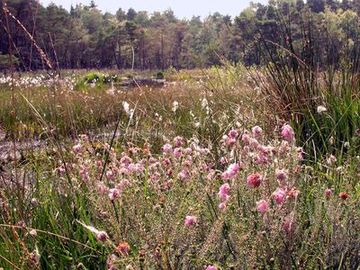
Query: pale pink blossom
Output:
(184,175)
(102,189)
(178,141)
(254,180)
(211,267)
(245,138)
(167,148)
(256,131)
(77,148)
(224,160)
(288,225)
(125,160)
(114,193)
(281,176)
(177,153)
(328,192)
(288,133)
(102,236)
(231,172)
(233,134)
(110,174)
(262,206)
(224,192)
(190,221)
(331,160)
(279,195)
(222,206)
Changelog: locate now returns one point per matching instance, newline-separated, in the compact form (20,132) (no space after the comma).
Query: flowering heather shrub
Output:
(179,203)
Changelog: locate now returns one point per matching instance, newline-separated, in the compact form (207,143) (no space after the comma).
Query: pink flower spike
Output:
(224,192)
(231,172)
(328,192)
(279,195)
(102,236)
(222,206)
(256,131)
(190,221)
(114,193)
(254,180)
(245,138)
(211,267)
(262,206)
(167,148)
(288,133)
(233,134)
(281,176)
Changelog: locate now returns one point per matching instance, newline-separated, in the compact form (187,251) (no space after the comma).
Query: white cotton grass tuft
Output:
(321,109)
(175,106)
(102,236)
(128,110)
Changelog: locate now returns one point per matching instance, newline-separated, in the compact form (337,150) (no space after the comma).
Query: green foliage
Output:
(95,79)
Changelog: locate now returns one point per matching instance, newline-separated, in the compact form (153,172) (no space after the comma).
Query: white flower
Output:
(320,109)
(175,106)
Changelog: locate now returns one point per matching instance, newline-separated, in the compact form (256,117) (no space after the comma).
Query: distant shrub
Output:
(160,75)
(95,79)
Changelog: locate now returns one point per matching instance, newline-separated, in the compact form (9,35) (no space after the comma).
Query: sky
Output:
(181,8)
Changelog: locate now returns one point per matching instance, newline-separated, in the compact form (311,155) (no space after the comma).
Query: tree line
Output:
(319,33)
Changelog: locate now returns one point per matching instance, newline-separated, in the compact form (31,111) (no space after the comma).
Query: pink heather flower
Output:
(184,175)
(102,189)
(211,175)
(61,169)
(166,162)
(123,185)
(328,192)
(177,153)
(281,176)
(279,195)
(254,143)
(222,206)
(233,134)
(224,160)
(125,161)
(262,206)
(245,138)
(343,195)
(211,267)
(77,148)
(301,153)
(261,159)
(224,192)
(84,174)
(110,175)
(167,148)
(136,167)
(190,221)
(331,160)
(178,141)
(188,151)
(284,148)
(114,193)
(265,150)
(293,193)
(256,131)
(188,162)
(288,225)
(230,141)
(254,180)
(99,164)
(102,236)
(288,133)
(231,172)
